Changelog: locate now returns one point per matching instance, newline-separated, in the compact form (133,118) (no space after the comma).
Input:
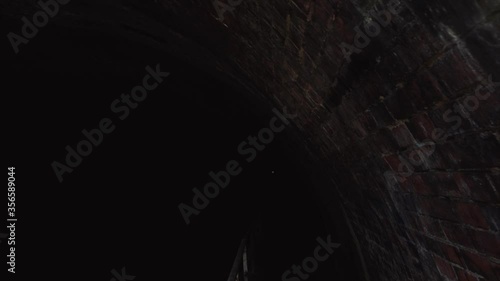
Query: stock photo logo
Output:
(121,276)
(310,264)
(30,28)
(461,111)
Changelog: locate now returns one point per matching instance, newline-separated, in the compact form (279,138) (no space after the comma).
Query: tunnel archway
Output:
(193,123)
(359,122)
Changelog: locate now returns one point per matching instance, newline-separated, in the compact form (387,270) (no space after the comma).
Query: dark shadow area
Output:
(119,208)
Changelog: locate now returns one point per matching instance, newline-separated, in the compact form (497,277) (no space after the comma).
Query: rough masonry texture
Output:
(359,120)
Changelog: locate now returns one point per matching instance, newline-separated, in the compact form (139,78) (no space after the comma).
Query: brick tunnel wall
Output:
(405,128)
(407,125)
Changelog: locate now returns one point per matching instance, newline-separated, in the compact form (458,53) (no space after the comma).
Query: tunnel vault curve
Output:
(362,118)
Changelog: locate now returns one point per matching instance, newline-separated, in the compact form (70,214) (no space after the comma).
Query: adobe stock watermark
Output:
(221,179)
(221,8)
(121,277)
(372,28)
(50,8)
(460,111)
(122,107)
(311,264)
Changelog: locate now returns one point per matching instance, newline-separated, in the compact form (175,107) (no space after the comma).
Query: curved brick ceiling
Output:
(419,205)
(360,119)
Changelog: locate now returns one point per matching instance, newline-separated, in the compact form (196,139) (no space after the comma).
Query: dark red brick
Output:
(431,226)
(439,208)
(479,264)
(402,135)
(384,142)
(420,186)
(486,242)
(444,184)
(445,268)
(456,233)
(477,186)
(463,275)
(471,214)
(452,254)
(421,127)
